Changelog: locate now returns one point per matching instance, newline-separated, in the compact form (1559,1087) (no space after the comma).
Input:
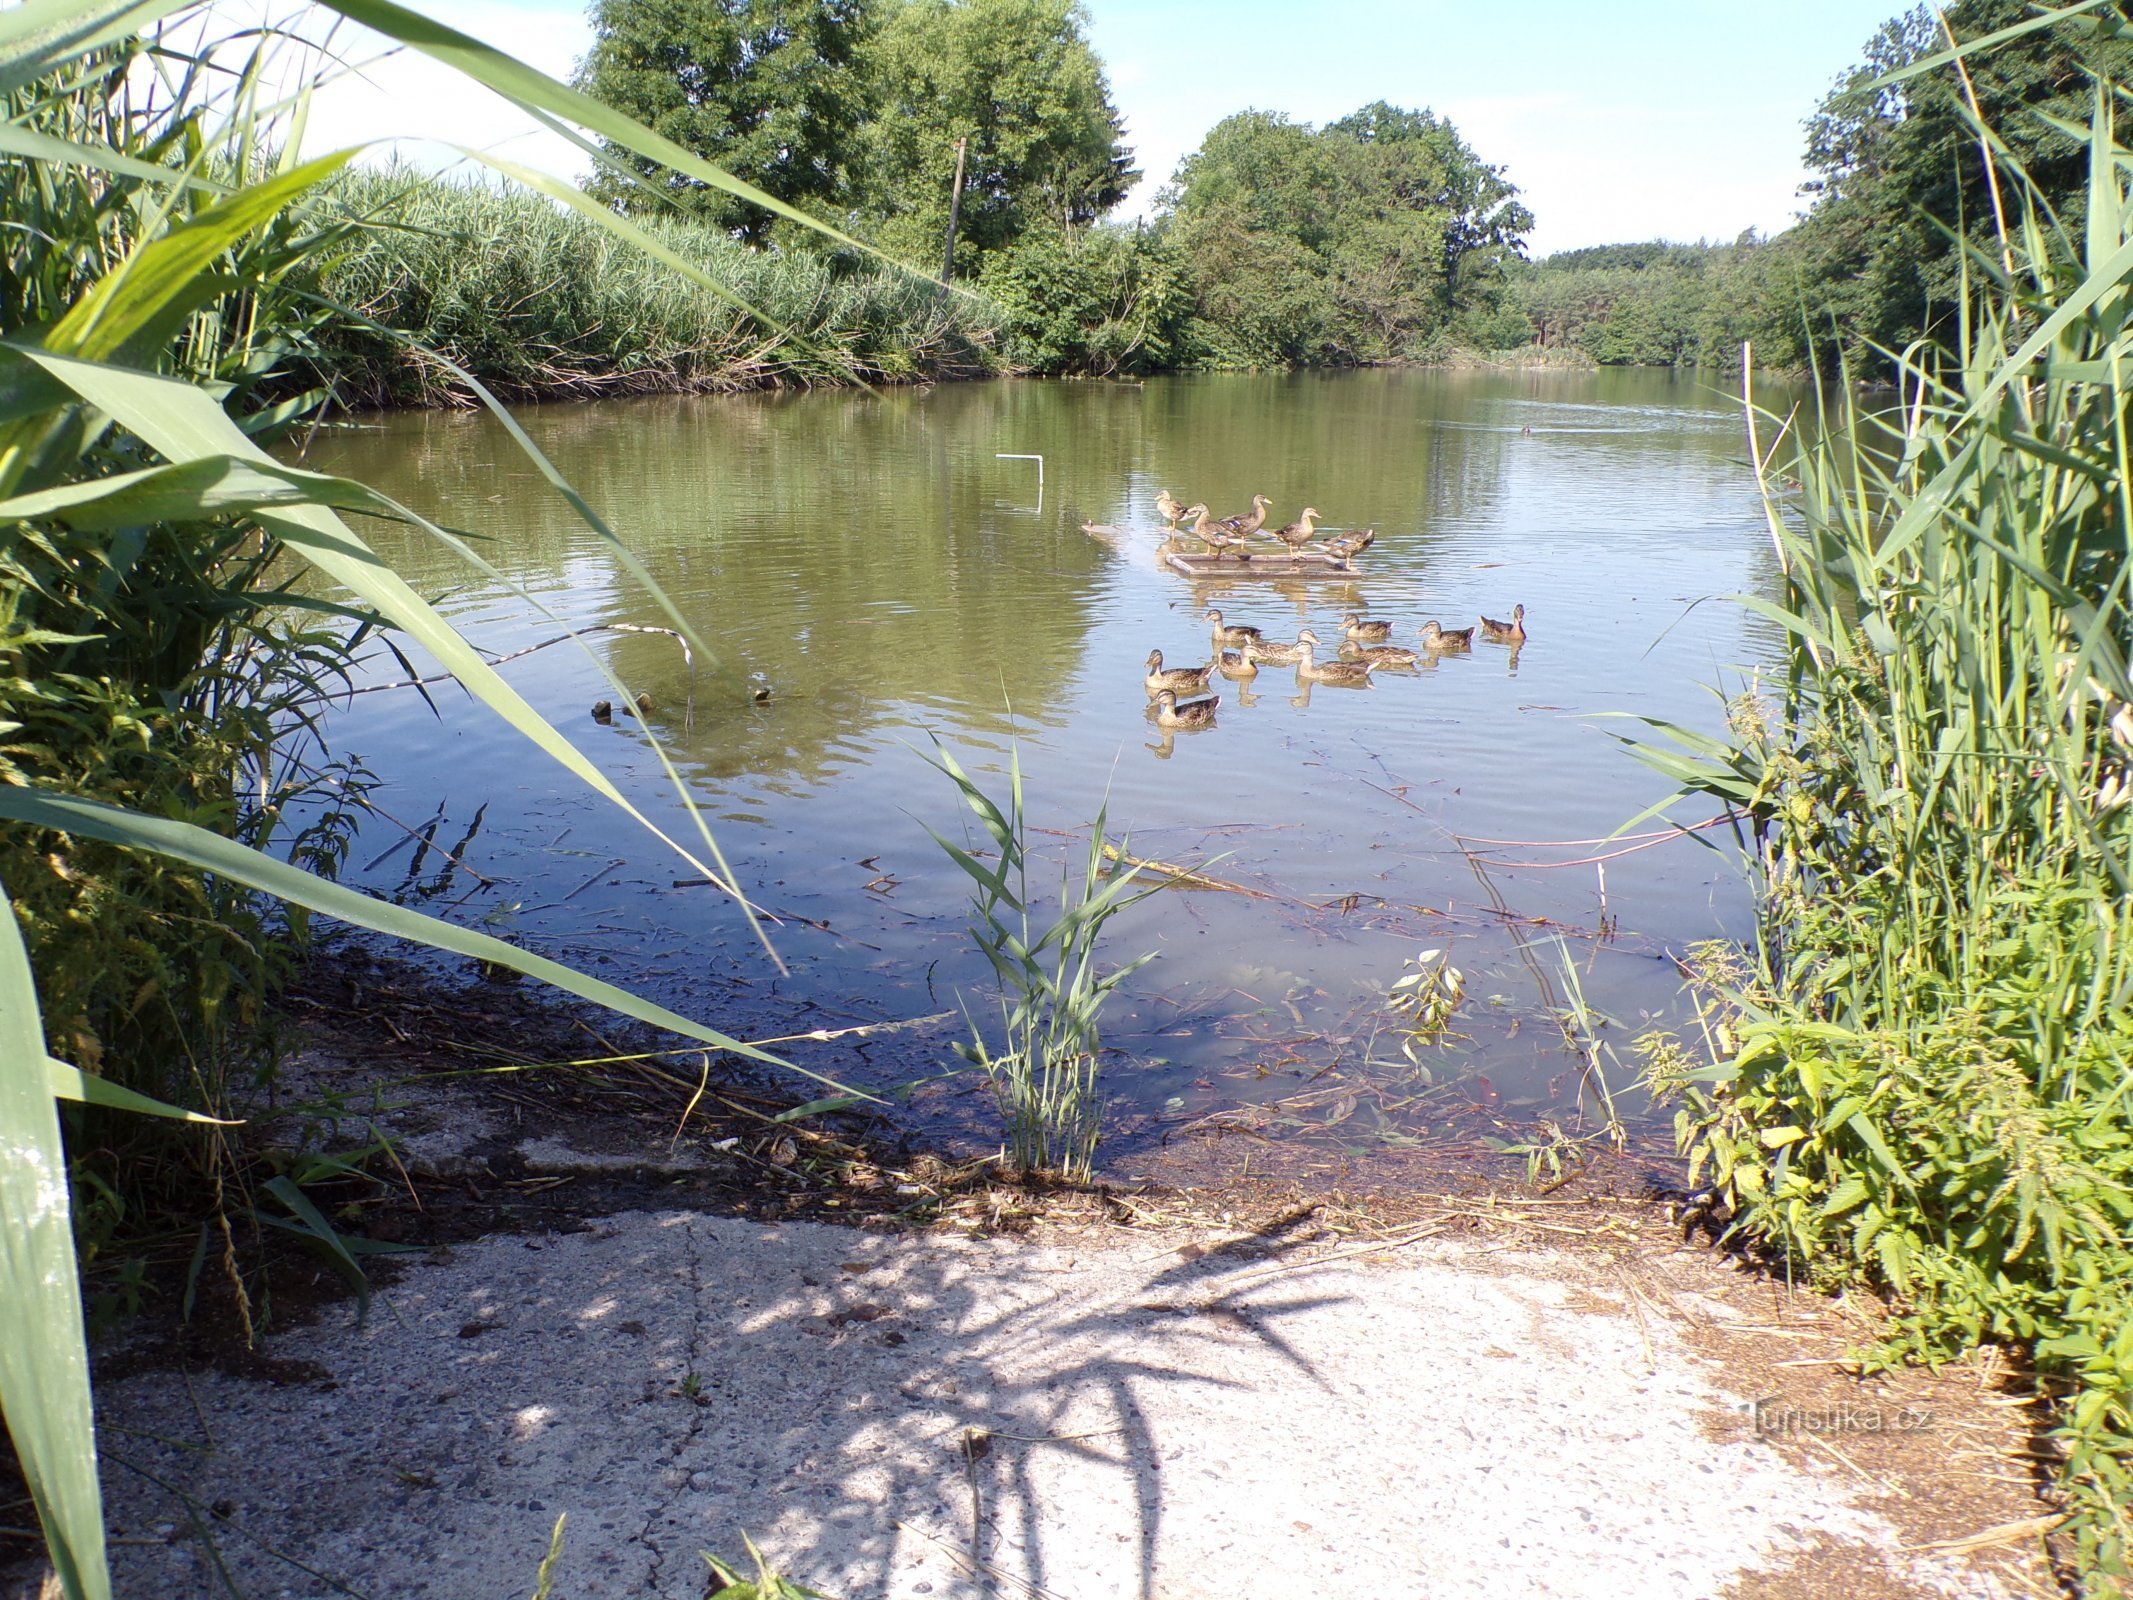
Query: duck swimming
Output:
(1189,680)
(1363,632)
(1442,639)
(1512,632)
(1350,672)
(1191,714)
(1231,632)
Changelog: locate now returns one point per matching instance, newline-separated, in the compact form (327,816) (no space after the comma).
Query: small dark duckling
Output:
(603,711)
(1192,714)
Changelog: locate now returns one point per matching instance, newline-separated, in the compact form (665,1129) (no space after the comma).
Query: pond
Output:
(888,570)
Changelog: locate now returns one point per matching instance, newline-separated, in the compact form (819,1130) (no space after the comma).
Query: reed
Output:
(1919,1076)
(543,303)
(1045,1067)
(163,645)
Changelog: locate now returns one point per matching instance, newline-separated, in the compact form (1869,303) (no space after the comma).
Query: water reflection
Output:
(870,560)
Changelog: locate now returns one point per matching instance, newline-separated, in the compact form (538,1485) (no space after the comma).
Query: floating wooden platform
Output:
(1207,564)
(1279,564)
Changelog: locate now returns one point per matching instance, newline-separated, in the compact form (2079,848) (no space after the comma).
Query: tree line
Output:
(1902,208)
(1380,236)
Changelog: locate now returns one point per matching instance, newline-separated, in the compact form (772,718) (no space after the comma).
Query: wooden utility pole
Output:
(955,208)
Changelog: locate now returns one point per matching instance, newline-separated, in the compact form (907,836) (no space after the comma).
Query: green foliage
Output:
(1922,1079)
(159,265)
(1666,305)
(538,302)
(1366,240)
(1101,302)
(1018,80)
(1051,990)
(773,90)
(1899,175)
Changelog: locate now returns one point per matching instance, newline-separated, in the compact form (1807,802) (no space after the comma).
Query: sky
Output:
(1617,119)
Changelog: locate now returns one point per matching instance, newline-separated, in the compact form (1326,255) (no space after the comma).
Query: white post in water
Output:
(1002,455)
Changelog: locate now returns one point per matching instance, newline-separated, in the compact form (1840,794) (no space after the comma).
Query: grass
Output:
(1919,1077)
(539,302)
(159,273)
(1045,1067)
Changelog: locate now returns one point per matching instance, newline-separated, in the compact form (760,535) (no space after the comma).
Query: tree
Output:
(1366,240)
(1899,174)
(1018,80)
(772,90)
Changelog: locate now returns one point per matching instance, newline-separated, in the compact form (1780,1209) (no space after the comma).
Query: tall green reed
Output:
(1920,1074)
(1045,1067)
(159,257)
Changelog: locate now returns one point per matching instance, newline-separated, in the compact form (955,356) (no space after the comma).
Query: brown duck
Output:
(1280,655)
(1191,714)
(1383,655)
(1249,522)
(1237,663)
(1301,532)
(1512,632)
(1352,672)
(1215,535)
(1231,632)
(1185,680)
(1362,632)
(1443,639)
(1351,544)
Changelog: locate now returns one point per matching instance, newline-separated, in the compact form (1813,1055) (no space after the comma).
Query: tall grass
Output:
(1044,1067)
(542,303)
(1923,1069)
(159,252)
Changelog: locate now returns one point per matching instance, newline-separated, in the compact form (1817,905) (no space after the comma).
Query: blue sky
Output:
(1625,120)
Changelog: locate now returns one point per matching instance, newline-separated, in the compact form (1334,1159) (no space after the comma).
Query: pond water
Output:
(875,562)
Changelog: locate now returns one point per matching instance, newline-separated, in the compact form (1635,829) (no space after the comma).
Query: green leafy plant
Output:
(1425,996)
(162,631)
(1044,1068)
(1918,1077)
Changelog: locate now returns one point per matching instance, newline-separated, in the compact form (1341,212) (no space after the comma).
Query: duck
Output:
(1167,506)
(1251,521)
(1363,632)
(1191,714)
(1512,632)
(1309,671)
(1187,679)
(1237,663)
(1231,632)
(1441,639)
(1350,544)
(1215,535)
(1281,655)
(1301,532)
(1384,655)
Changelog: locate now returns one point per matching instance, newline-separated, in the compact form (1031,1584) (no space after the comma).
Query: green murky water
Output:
(873,561)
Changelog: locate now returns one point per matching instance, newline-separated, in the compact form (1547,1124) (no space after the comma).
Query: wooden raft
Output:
(1206,564)
(1284,564)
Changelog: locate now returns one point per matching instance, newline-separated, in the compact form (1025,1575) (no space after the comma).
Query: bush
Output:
(1103,302)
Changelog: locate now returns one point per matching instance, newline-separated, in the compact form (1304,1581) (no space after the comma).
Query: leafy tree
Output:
(1018,80)
(1899,174)
(772,90)
(1375,238)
